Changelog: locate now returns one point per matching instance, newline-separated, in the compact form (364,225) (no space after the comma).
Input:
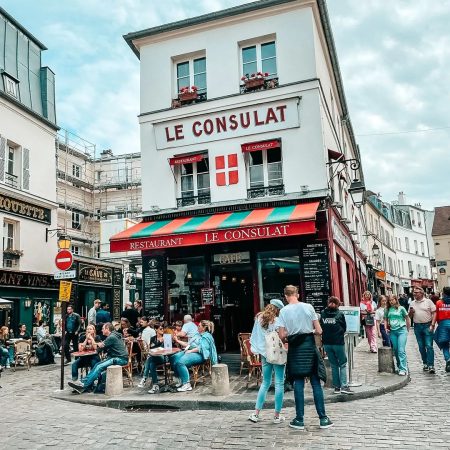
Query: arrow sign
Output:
(64,260)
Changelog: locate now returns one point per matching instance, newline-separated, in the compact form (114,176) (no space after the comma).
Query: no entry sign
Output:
(64,260)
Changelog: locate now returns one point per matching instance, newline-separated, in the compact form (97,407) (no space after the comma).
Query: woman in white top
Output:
(265,322)
(379,317)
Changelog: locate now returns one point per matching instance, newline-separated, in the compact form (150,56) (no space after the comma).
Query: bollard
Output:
(385,360)
(220,380)
(114,381)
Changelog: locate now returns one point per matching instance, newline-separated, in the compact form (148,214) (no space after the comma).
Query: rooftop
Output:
(441,224)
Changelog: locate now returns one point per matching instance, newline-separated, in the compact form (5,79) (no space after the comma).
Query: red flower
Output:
(260,74)
(266,74)
(194,88)
(252,75)
(243,78)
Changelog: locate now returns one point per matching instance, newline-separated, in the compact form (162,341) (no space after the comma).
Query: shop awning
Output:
(263,145)
(176,161)
(254,224)
(5,304)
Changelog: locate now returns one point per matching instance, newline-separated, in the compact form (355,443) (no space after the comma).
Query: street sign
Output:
(64,291)
(64,260)
(65,275)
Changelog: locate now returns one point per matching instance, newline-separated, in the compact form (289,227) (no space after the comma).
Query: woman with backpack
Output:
(265,342)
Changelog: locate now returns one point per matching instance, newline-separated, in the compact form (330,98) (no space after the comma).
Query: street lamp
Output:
(64,242)
(375,250)
(356,190)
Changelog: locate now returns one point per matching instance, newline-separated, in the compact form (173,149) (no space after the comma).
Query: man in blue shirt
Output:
(73,325)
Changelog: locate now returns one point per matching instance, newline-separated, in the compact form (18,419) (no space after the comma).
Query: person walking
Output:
(379,317)
(266,322)
(442,318)
(92,313)
(298,324)
(397,324)
(368,307)
(334,327)
(73,325)
(422,312)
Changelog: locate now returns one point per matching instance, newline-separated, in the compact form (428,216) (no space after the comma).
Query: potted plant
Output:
(188,94)
(254,81)
(12,253)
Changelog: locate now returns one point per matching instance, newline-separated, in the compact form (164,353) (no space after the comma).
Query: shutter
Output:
(2,158)
(26,169)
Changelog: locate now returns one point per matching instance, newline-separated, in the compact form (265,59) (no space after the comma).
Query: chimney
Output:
(106,153)
(401,198)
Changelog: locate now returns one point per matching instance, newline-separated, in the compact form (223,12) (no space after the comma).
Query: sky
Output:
(394,58)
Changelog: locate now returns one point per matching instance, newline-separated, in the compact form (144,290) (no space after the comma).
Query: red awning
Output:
(264,145)
(261,223)
(186,159)
(333,154)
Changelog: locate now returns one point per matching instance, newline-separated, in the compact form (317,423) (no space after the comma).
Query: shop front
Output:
(227,266)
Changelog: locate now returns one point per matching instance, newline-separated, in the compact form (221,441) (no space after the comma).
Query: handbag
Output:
(275,351)
(370,320)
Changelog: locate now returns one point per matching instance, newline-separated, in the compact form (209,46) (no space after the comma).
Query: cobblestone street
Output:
(413,417)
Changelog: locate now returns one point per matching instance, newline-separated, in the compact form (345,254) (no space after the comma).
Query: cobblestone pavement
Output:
(416,416)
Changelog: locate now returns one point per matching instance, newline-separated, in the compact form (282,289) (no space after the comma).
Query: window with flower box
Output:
(194,183)
(11,251)
(191,79)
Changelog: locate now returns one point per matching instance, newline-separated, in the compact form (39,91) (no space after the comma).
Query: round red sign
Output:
(64,260)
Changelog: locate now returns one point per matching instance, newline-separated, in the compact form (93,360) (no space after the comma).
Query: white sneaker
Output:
(185,387)
(254,418)
(142,382)
(402,373)
(178,382)
(279,419)
(154,389)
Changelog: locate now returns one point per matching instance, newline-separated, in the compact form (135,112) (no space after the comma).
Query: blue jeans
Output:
(385,336)
(85,361)
(4,356)
(338,362)
(99,368)
(267,370)
(424,339)
(299,396)
(150,367)
(181,361)
(398,339)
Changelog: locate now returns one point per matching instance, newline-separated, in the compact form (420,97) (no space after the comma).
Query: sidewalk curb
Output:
(209,402)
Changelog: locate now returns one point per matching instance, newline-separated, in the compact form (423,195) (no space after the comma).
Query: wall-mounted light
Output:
(189,276)
(234,279)
(27,303)
(375,250)
(281,270)
(64,242)
(356,190)
(242,281)
(224,277)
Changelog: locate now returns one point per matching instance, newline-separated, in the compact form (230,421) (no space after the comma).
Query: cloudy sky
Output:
(394,58)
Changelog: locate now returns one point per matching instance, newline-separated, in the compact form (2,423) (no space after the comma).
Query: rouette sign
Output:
(64,260)
(228,124)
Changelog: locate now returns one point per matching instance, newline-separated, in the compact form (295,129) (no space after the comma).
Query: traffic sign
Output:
(65,274)
(64,291)
(64,260)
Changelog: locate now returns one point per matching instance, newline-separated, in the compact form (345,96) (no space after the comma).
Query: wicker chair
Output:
(204,368)
(22,353)
(128,368)
(241,338)
(254,364)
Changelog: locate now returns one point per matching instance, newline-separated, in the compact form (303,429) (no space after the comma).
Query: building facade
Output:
(247,168)
(441,239)
(27,186)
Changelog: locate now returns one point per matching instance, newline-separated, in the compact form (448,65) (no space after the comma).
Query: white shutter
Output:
(26,169)
(2,158)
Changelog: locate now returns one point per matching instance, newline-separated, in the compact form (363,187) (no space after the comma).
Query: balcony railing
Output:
(265,191)
(11,180)
(202,199)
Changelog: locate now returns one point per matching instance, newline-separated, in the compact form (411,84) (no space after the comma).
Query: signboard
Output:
(64,260)
(27,210)
(94,274)
(316,274)
(65,275)
(380,274)
(442,271)
(29,280)
(64,291)
(264,145)
(231,258)
(341,238)
(153,285)
(117,310)
(441,263)
(130,280)
(352,318)
(207,296)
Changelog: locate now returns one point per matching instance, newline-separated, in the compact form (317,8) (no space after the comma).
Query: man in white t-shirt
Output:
(147,331)
(189,328)
(298,324)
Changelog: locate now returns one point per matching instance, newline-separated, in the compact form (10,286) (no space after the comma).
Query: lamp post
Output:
(357,190)
(64,242)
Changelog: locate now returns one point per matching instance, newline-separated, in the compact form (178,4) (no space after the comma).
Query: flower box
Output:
(188,96)
(12,254)
(254,83)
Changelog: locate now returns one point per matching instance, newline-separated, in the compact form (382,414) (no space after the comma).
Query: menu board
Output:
(316,274)
(153,286)
(207,296)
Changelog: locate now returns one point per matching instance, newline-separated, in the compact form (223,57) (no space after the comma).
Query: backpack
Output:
(275,351)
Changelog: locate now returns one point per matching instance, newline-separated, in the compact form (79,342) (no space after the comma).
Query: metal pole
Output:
(350,348)
(63,341)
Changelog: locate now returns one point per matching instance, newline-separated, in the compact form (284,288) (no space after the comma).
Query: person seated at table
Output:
(87,342)
(23,333)
(4,336)
(189,329)
(116,354)
(204,349)
(41,332)
(147,331)
(153,361)
(128,338)
(125,323)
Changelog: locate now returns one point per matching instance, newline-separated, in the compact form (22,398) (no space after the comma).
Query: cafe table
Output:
(165,352)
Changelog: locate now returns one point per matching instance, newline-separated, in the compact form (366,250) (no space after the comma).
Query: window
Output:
(76,170)
(260,58)
(265,168)
(416,248)
(419,220)
(75,249)
(422,248)
(410,269)
(402,268)
(10,85)
(192,73)
(391,267)
(76,220)
(194,183)
(407,244)
(8,235)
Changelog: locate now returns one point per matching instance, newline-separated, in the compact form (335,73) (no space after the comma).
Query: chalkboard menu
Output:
(207,296)
(153,286)
(316,274)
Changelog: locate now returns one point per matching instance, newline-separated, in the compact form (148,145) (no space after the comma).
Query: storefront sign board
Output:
(29,280)
(223,259)
(341,238)
(352,318)
(207,295)
(27,210)
(94,274)
(153,285)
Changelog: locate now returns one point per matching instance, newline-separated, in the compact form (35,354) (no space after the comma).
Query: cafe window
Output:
(265,168)
(261,57)
(194,183)
(185,279)
(276,270)
(192,73)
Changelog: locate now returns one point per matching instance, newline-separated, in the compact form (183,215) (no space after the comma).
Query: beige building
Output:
(441,240)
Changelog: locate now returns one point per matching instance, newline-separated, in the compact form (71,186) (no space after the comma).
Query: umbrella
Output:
(5,304)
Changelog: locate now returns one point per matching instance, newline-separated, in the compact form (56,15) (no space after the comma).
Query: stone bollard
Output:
(329,382)
(385,360)
(114,381)
(220,380)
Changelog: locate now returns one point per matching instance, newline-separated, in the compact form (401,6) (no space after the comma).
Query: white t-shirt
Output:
(297,318)
(379,314)
(190,329)
(147,334)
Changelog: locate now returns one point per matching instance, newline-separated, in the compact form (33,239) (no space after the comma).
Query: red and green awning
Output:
(259,223)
